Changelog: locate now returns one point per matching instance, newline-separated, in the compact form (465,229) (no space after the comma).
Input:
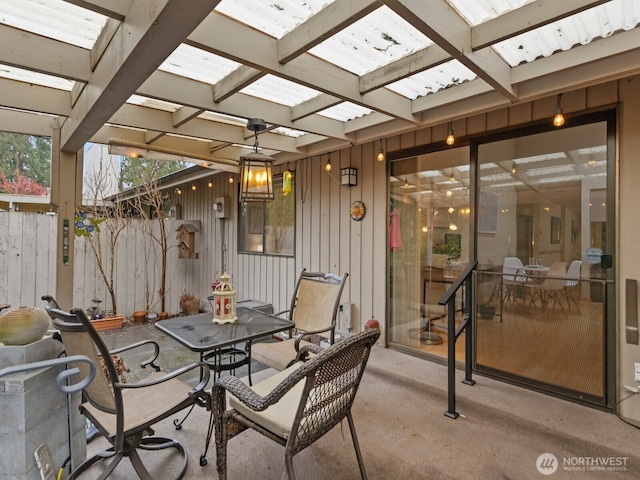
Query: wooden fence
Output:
(28,267)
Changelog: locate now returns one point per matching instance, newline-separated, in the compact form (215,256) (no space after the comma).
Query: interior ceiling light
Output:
(406,184)
(450,210)
(514,168)
(451,139)
(256,182)
(380,156)
(558,119)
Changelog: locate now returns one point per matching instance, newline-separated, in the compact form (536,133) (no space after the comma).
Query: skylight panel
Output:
(477,12)
(438,78)
(54,19)
(35,78)
(153,103)
(222,118)
(197,64)
(288,132)
(345,111)
(579,29)
(279,90)
(372,42)
(272,18)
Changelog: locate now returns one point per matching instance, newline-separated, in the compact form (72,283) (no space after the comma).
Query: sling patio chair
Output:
(125,413)
(314,310)
(297,406)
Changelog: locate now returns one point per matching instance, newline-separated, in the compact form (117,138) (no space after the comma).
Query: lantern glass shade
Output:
(256,183)
(349,177)
(224,301)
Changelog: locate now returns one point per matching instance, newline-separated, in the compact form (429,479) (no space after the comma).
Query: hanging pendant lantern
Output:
(224,301)
(256,183)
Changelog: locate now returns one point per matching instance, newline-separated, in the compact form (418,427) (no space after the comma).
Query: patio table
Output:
(216,342)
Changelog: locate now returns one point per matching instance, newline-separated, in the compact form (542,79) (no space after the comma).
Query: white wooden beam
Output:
(40,54)
(326,23)
(438,21)
(259,51)
(526,18)
(141,43)
(34,98)
(235,81)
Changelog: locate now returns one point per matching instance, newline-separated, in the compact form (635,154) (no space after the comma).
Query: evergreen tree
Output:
(25,157)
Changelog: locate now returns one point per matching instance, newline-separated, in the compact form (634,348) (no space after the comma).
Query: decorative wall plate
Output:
(358,210)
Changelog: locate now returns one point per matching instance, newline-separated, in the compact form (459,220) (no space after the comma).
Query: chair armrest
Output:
(251,399)
(195,391)
(281,312)
(150,361)
(300,336)
(303,353)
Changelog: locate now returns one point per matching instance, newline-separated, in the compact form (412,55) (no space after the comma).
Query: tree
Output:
(280,218)
(26,156)
(134,172)
(21,185)
(149,204)
(101,223)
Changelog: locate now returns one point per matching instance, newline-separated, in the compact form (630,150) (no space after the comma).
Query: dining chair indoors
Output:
(548,290)
(513,278)
(298,405)
(124,413)
(314,311)
(573,278)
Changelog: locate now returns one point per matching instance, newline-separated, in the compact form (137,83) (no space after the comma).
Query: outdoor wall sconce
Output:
(256,183)
(348,177)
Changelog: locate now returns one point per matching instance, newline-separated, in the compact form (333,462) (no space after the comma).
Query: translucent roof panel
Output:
(54,19)
(579,29)
(372,42)
(345,111)
(191,62)
(432,80)
(476,12)
(279,90)
(153,103)
(35,78)
(273,18)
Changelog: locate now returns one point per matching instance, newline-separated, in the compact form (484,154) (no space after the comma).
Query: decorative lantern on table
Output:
(224,301)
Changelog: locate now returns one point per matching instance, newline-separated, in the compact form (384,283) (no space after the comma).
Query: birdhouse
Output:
(186,237)
(224,301)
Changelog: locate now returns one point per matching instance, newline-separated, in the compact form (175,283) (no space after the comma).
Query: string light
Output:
(178,191)
(380,156)
(210,184)
(451,139)
(193,187)
(558,119)
(327,166)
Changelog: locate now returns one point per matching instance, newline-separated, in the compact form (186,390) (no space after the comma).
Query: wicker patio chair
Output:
(125,413)
(314,310)
(297,406)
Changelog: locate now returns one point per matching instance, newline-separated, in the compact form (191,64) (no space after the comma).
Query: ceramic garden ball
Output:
(23,325)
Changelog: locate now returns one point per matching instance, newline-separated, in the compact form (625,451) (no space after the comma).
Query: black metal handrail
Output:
(449,299)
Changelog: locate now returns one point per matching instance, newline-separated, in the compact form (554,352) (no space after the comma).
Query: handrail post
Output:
(468,333)
(451,360)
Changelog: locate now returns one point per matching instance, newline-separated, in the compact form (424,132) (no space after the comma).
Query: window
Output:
(269,227)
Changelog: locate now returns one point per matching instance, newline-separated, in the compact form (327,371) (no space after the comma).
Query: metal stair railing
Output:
(449,299)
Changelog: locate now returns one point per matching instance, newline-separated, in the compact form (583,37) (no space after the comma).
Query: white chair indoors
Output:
(573,278)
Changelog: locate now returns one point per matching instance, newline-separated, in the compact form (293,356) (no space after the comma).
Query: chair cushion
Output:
(142,405)
(276,355)
(278,418)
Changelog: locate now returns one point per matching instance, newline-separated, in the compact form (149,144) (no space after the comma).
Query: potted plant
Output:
(189,303)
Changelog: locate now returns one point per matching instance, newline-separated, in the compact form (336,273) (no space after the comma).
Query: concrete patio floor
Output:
(503,432)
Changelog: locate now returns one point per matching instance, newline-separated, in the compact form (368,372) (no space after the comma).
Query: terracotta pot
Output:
(139,316)
(190,307)
(372,323)
(163,315)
